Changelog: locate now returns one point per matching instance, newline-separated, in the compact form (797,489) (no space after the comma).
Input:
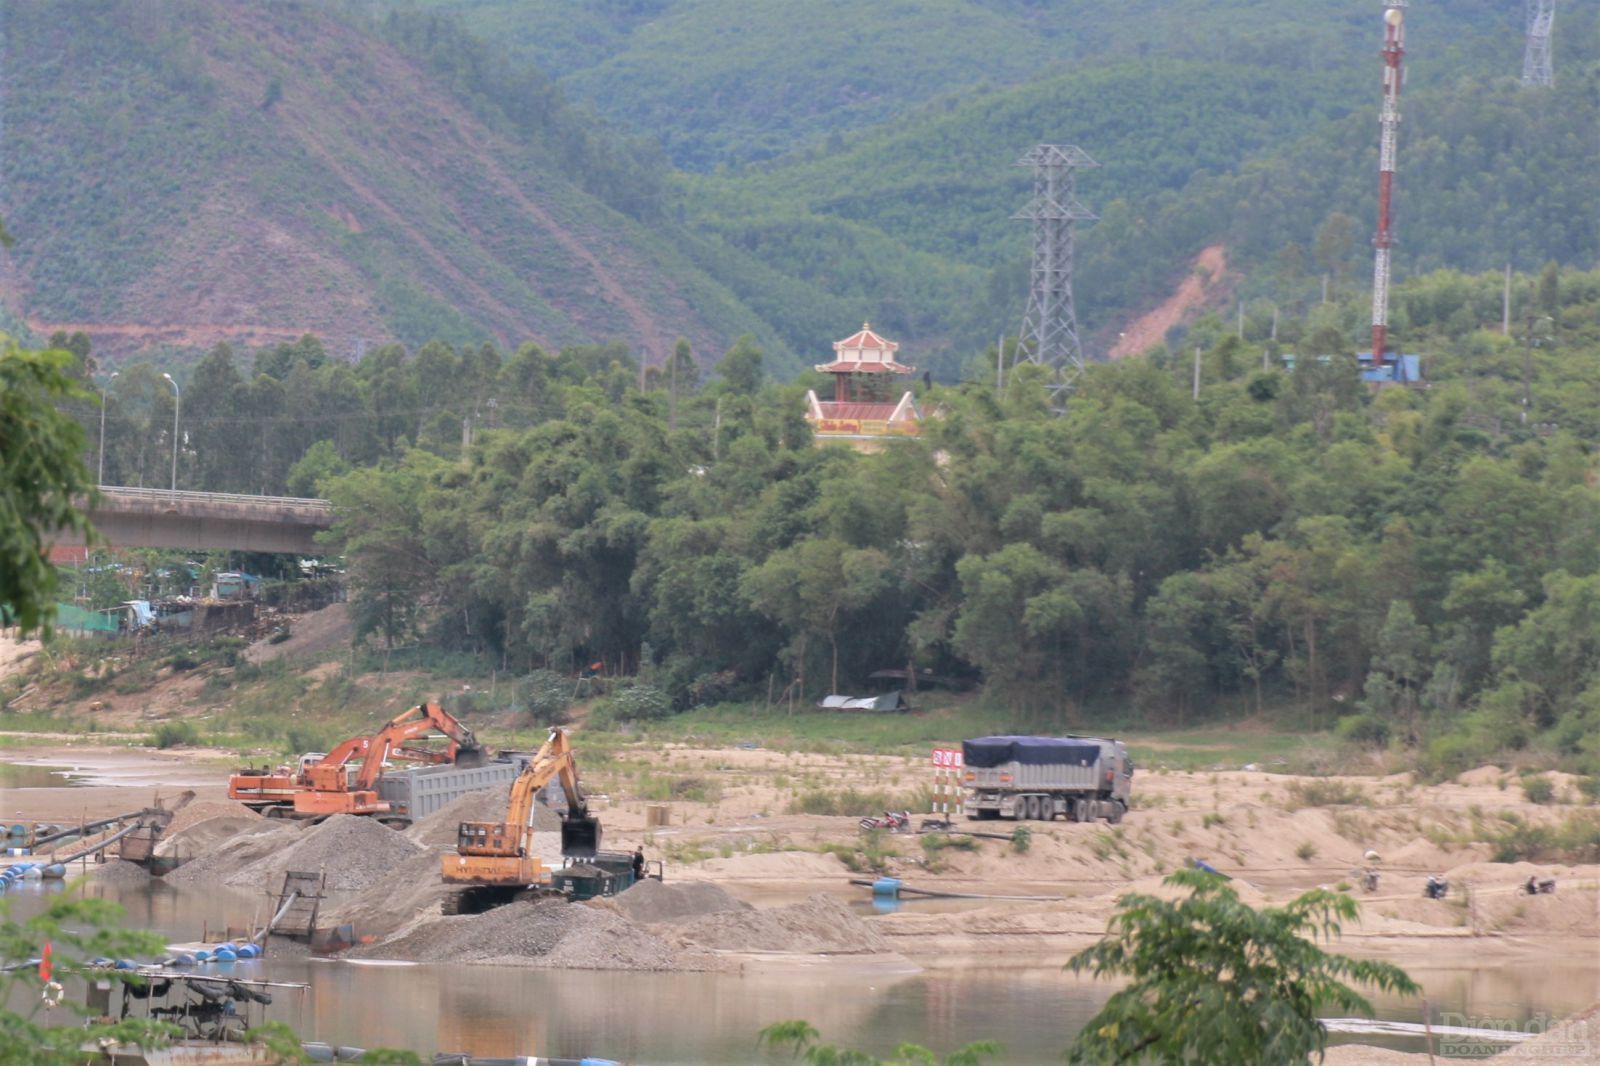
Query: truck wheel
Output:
(1080,811)
(1118,809)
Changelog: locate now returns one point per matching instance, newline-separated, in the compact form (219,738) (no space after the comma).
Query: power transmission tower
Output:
(1049,334)
(1536,68)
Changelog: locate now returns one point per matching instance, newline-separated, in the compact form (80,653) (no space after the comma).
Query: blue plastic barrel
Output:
(225,954)
(886,886)
(249,951)
(202,955)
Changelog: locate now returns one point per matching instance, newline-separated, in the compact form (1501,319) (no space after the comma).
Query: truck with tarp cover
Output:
(1081,779)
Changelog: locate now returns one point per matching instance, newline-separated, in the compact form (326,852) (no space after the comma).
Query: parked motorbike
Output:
(1536,887)
(1436,887)
(893,821)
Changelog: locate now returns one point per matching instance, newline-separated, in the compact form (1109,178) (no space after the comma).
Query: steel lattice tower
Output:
(1536,68)
(1049,334)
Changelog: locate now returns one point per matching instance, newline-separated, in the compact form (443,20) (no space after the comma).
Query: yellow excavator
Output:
(494,862)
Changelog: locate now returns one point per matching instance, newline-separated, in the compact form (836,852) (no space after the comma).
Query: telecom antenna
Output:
(1536,68)
(1394,38)
(1049,334)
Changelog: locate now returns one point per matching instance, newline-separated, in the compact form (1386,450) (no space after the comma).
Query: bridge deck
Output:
(129,517)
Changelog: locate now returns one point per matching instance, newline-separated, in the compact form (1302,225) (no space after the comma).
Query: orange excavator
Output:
(494,862)
(330,790)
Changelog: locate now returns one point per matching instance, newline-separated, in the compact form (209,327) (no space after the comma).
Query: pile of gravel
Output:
(652,901)
(438,830)
(820,925)
(227,857)
(201,827)
(119,873)
(196,812)
(356,853)
(547,933)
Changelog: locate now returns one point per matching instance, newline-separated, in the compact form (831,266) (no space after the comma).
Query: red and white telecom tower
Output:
(1394,37)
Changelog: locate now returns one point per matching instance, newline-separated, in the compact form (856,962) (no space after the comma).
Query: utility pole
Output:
(1197,373)
(1049,334)
(1527,369)
(177,403)
(1389,123)
(100,477)
(1505,305)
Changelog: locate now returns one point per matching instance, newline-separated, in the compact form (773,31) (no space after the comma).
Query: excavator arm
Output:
(580,833)
(419,721)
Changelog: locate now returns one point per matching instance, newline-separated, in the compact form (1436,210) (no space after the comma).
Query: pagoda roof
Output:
(851,366)
(865,338)
(864,352)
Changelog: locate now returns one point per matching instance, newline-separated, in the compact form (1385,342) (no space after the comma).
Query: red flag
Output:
(44,964)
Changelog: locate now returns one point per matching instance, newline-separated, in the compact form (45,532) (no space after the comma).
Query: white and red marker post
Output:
(947,766)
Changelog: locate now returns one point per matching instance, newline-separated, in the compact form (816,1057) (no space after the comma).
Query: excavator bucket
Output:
(580,836)
(468,757)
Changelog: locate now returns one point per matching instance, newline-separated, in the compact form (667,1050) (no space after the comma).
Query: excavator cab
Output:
(580,834)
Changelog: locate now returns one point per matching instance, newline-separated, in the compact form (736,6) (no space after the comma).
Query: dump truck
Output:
(418,792)
(1078,778)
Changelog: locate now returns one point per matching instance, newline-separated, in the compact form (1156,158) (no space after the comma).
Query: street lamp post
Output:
(100,477)
(177,402)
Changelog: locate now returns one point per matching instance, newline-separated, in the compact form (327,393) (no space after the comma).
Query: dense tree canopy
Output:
(1417,561)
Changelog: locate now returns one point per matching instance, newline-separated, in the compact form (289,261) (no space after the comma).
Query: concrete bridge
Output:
(207,521)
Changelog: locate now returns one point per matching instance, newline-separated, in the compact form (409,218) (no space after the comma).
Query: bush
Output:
(1324,793)
(1021,839)
(1538,789)
(636,703)
(848,801)
(1455,752)
(1363,729)
(1575,840)
(1306,851)
(933,843)
(174,735)
(1590,788)
(549,696)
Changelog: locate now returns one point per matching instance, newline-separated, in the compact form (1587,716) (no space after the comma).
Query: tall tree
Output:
(43,480)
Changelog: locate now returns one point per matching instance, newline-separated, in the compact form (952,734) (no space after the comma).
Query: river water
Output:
(661,1019)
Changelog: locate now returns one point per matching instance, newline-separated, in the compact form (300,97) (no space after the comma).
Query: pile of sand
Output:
(201,827)
(548,933)
(652,901)
(819,926)
(438,830)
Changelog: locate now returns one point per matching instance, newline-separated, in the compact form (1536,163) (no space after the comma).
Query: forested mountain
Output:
(723,82)
(372,173)
(181,172)
(1192,154)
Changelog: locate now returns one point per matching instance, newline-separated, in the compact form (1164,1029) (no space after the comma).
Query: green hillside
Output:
(723,82)
(181,173)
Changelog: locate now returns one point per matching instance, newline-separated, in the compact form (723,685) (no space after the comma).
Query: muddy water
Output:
(661,1019)
(19,775)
